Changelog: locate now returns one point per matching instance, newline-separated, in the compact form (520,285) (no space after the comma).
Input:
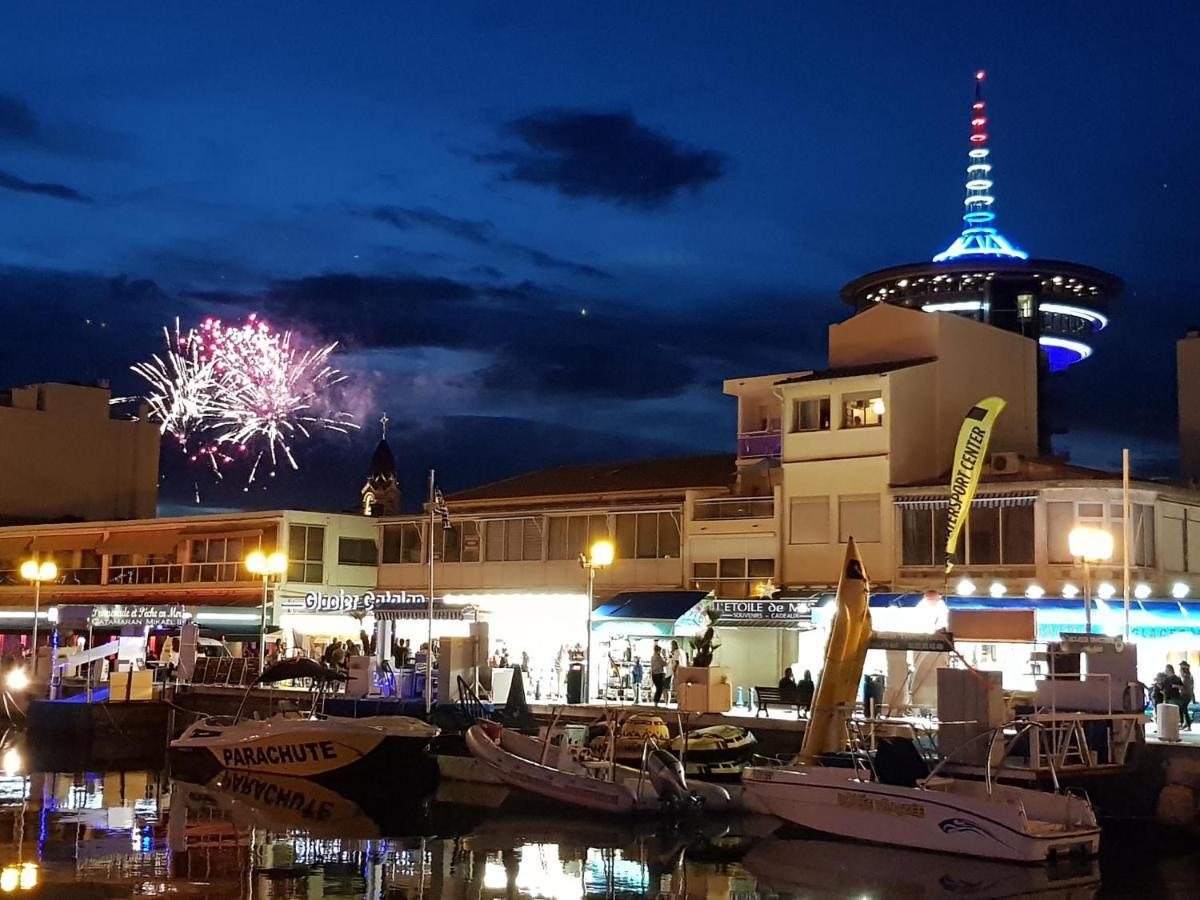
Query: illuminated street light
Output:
(1091,545)
(33,571)
(600,555)
(267,566)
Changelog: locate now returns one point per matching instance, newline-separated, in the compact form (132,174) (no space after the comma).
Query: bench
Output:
(773,696)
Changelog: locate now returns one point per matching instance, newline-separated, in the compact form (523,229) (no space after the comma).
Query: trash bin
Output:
(1167,721)
(575,683)
(872,695)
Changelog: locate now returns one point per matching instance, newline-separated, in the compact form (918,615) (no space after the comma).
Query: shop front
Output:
(311,621)
(625,630)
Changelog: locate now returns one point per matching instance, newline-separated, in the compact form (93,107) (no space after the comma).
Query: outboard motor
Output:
(666,775)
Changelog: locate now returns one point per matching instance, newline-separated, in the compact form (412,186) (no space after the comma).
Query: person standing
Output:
(658,673)
(804,691)
(637,679)
(676,662)
(1187,694)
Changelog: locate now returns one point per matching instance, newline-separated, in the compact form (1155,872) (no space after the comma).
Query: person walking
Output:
(1187,694)
(658,673)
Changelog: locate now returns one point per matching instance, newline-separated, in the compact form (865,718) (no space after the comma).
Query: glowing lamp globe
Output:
(1090,544)
(602,553)
(256,562)
(1035,592)
(1179,590)
(32,571)
(965,588)
(1142,591)
(1106,590)
(276,563)
(1070,591)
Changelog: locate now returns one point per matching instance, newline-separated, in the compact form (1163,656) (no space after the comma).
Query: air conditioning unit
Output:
(1006,463)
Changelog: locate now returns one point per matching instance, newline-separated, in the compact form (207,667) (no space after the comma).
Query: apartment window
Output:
(512,540)
(732,578)
(862,410)
(983,536)
(1143,534)
(1062,516)
(306,554)
(221,559)
(1016,535)
(459,542)
(858,518)
(653,535)
(811,414)
(1060,519)
(808,520)
(402,543)
(1025,306)
(922,536)
(219,550)
(357,552)
(568,536)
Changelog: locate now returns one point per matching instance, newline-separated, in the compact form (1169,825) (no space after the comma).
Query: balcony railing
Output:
(158,573)
(755,444)
(732,588)
(734,508)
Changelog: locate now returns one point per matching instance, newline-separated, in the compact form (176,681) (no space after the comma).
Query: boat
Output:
(571,774)
(892,797)
(305,744)
(712,753)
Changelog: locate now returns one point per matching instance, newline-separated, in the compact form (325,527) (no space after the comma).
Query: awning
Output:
(942,501)
(441,612)
(149,542)
(666,606)
(228,530)
(48,543)
(14,547)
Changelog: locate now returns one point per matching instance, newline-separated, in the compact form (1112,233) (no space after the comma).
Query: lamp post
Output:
(268,566)
(1091,545)
(600,555)
(32,570)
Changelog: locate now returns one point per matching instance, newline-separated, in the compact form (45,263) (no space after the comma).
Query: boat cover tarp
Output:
(300,667)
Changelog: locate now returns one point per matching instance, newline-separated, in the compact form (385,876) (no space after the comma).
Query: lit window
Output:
(1025,306)
(811,414)
(862,410)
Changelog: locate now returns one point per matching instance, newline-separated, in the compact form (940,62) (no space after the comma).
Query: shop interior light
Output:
(1070,591)
(1179,590)
(1142,591)
(1106,590)
(965,587)
(996,589)
(1035,592)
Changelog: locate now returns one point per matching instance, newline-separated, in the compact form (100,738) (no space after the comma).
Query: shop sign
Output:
(120,615)
(341,602)
(783,611)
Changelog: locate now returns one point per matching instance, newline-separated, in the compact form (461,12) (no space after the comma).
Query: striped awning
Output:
(942,501)
(441,613)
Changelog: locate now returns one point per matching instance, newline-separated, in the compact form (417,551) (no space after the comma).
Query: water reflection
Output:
(252,836)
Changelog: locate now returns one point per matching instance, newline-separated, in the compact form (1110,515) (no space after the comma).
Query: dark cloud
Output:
(481,233)
(17,121)
(609,156)
(11,182)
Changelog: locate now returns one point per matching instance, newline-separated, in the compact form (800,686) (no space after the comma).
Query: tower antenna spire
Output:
(979,235)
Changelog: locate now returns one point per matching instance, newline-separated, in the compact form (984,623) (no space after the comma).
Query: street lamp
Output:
(268,566)
(600,555)
(32,570)
(1091,545)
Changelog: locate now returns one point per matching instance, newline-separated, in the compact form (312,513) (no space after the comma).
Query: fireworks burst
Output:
(224,391)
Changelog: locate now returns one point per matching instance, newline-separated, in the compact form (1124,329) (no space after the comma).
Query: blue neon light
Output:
(1062,352)
(980,241)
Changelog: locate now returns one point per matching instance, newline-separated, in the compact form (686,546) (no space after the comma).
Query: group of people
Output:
(664,666)
(1178,689)
(798,692)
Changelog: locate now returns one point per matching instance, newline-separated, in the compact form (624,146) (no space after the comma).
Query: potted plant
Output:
(703,687)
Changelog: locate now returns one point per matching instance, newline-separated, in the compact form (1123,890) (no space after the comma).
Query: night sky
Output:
(545,233)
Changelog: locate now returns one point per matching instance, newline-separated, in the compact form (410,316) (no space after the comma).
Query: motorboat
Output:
(306,744)
(572,774)
(884,800)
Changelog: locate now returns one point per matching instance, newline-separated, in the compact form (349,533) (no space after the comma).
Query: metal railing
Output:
(759,443)
(178,573)
(734,508)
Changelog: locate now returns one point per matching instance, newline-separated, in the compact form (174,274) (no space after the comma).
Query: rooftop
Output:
(677,474)
(854,371)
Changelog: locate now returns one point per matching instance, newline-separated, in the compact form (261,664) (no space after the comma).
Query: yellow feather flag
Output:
(969,456)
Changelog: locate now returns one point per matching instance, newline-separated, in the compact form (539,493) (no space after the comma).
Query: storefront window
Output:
(357,552)
(306,553)
(401,543)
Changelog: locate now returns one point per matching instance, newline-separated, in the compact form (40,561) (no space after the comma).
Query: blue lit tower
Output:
(983,275)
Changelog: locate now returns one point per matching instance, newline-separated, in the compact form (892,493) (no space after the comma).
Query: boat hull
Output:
(827,801)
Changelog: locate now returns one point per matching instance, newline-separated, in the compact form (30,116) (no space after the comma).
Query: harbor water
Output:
(144,833)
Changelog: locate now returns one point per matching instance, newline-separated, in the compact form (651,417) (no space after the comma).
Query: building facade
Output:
(64,456)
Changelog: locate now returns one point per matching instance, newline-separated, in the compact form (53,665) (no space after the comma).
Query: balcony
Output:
(734,508)
(155,573)
(759,444)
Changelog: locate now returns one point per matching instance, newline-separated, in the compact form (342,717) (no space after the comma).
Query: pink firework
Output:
(229,390)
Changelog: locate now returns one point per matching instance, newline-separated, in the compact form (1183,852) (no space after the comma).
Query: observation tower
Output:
(984,276)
